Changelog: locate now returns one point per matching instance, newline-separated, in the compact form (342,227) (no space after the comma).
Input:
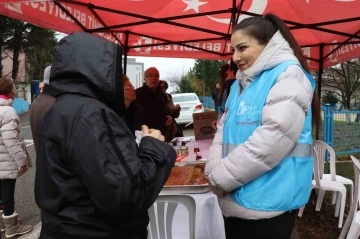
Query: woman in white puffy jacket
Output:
(14,160)
(260,163)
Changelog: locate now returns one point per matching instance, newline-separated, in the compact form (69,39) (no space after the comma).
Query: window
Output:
(184,98)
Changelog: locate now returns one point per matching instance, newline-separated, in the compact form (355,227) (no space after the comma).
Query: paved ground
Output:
(188,131)
(25,119)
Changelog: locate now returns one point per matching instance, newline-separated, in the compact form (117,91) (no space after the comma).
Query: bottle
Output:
(176,147)
(184,149)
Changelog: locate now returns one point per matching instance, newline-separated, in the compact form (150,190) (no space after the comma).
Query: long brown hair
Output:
(263,29)
(223,74)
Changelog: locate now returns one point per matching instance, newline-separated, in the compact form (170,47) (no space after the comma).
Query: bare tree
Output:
(4,29)
(174,79)
(344,78)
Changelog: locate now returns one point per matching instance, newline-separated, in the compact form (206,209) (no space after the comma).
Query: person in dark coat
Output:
(154,102)
(173,130)
(132,108)
(40,106)
(92,180)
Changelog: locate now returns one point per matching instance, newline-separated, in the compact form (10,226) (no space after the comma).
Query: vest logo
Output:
(242,108)
(245,109)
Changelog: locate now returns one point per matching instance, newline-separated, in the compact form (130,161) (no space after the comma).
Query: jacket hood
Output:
(275,52)
(89,65)
(47,75)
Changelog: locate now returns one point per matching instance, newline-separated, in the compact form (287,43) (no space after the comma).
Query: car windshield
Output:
(183,98)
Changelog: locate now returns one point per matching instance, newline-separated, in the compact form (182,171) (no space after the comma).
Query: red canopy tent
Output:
(328,31)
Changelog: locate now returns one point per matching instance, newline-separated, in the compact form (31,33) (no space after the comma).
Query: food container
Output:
(195,185)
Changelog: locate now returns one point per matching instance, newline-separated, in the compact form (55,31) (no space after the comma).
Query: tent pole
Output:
(321,68)
(126,49)
(238,12)
(233,14)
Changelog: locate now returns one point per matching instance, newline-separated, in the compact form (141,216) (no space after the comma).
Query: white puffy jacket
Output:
(12,146)
(283,118)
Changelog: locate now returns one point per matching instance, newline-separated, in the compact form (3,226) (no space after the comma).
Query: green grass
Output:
(346,138)
(339,123)
(344,169)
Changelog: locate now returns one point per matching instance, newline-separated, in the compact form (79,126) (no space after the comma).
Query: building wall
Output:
(7,63)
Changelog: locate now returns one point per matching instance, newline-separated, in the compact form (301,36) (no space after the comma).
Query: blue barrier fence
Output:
(341,130)
(207,102)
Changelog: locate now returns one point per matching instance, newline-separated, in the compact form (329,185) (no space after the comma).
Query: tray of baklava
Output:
(188,178)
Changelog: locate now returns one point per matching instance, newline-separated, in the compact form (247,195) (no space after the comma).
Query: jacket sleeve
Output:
(283,117)
(215,151)
(10,136)
(121,178)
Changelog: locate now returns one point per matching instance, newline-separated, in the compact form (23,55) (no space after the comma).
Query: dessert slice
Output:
(180,176)
(198,176)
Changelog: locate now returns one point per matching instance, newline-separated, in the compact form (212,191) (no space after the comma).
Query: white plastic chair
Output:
(326,185)
(353,219)
(321,149)
(161,220)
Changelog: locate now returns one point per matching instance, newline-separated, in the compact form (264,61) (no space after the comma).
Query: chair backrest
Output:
(161,220)
(321,148)
(354,205)
(357,186)
(316,167)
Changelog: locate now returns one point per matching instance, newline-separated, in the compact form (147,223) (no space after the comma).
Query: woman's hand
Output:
(214,124)
(22,169)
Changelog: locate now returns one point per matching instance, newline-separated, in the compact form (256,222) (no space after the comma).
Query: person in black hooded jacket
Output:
(92,180)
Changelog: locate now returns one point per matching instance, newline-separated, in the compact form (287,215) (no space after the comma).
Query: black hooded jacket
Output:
(92,181)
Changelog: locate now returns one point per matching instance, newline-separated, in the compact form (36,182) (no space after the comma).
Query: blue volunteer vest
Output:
(288,185)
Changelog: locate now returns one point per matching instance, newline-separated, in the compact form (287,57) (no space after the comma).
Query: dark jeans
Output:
(7,190)
(279,227)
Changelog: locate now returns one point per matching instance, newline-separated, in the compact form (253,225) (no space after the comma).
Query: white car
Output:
(189,103)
